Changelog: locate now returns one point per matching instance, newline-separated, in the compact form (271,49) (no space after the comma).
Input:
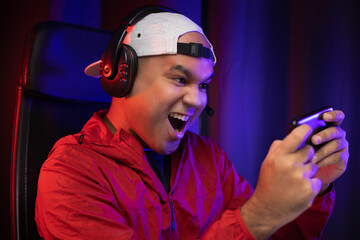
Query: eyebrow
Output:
(184,70)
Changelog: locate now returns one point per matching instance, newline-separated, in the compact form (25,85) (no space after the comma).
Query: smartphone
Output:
(313,119)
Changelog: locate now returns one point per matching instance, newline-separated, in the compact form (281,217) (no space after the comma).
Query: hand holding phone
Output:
(314,119)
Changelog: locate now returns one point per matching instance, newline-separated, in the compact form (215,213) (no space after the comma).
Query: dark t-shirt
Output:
(161,166)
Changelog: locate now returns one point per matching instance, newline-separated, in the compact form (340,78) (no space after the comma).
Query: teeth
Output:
(179,116)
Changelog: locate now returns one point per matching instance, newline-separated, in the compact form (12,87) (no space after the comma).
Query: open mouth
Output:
(178,121)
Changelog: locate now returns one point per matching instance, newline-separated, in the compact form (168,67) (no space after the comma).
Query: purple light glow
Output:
(313,120)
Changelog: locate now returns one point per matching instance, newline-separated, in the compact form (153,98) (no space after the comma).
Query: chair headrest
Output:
(57,56)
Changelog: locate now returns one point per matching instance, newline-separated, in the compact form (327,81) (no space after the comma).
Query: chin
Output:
(169,148)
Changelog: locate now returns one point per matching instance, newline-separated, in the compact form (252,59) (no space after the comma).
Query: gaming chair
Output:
(55,98)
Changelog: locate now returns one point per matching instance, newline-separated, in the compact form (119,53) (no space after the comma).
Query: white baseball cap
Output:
(158,34)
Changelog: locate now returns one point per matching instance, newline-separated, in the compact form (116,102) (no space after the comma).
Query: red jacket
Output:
(96,185)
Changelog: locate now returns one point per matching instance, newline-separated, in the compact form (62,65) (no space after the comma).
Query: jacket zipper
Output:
(172,216)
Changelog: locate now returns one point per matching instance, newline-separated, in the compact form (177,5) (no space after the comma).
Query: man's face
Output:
(168,95)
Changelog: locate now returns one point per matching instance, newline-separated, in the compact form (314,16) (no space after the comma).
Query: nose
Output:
(194,97)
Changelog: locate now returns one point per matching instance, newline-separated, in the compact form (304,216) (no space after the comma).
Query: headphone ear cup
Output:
(122,84)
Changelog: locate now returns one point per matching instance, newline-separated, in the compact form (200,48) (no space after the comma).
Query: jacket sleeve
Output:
(237,191)
(311,223)
(72,203)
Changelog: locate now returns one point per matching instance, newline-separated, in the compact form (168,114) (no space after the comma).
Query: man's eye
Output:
(180,80)
(204,86)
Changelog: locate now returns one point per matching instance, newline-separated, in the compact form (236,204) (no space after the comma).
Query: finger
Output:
(310,170)
(306,154)
(330,148)
(336,117)
(328,134)
(339,159)
(296,138)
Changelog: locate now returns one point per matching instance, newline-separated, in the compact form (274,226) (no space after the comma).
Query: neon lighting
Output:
(314,120)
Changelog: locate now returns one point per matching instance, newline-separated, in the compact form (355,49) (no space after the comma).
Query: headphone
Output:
(119,61)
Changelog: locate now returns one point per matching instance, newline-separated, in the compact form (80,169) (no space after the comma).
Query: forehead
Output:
(197,67)
(200,68)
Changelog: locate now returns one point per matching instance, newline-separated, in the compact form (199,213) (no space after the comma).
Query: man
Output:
(135,172)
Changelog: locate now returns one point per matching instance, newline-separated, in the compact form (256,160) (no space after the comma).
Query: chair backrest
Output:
(55,98)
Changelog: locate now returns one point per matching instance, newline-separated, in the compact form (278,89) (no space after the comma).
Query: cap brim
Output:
(93,70)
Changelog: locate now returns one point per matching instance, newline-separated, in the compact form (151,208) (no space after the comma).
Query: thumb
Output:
(274,145)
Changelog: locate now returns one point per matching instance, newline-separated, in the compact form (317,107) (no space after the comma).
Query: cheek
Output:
(203,101)
(149,108)
(201,107)
(138,107)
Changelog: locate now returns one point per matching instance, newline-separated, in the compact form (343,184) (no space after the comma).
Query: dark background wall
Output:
(276,60)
